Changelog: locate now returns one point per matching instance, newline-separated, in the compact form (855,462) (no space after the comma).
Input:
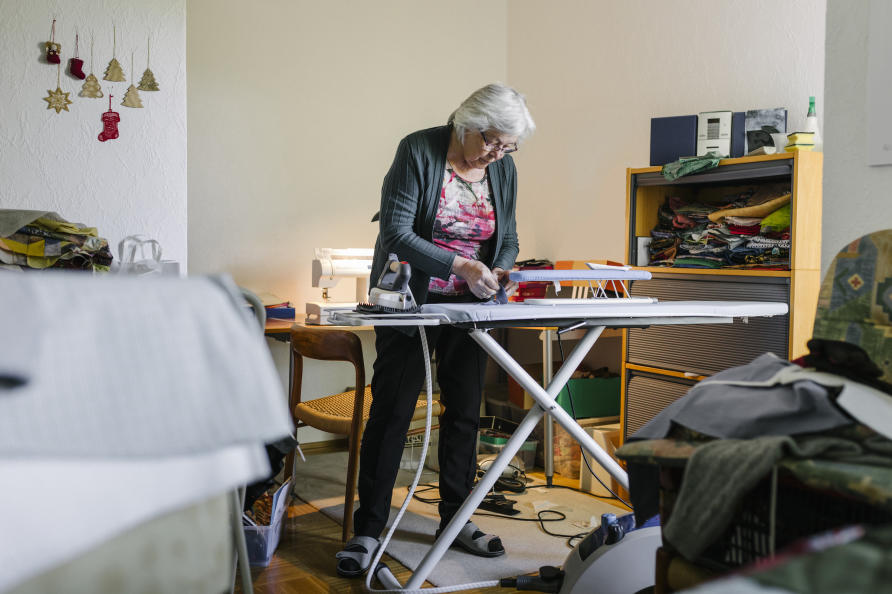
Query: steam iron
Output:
(392,293)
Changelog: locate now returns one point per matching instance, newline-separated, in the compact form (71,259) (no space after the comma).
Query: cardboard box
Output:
(607,436)
(567,450)
(516,394)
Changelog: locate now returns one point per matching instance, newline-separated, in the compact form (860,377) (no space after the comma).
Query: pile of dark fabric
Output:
(37,240)
(743,421)
(691,234)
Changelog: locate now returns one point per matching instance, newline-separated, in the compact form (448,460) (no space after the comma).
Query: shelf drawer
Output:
(709,348)
(647,394)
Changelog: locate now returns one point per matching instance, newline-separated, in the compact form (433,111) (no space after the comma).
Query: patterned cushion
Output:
(855,302)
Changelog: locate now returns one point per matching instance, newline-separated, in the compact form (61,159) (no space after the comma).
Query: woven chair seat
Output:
(335,413)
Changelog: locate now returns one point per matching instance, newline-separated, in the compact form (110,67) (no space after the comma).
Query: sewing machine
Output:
(330,265)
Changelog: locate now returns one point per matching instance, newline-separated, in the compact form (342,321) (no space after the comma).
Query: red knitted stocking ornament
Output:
(110,121)
(52,48)
(75,64)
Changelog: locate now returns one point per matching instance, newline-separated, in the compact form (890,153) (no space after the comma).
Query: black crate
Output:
(800,511)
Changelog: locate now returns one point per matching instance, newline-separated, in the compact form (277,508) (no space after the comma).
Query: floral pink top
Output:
(465,222)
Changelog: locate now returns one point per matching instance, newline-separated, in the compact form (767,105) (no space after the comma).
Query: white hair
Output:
(494,107)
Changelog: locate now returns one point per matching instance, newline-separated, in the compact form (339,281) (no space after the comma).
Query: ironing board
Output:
(479,318)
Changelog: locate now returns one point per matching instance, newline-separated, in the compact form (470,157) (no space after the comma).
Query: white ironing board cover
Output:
(621,314)
(569,275)
(461,312)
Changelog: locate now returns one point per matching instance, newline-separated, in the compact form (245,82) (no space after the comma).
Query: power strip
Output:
(499,504)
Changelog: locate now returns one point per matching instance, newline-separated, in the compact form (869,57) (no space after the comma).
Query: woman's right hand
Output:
(481,280)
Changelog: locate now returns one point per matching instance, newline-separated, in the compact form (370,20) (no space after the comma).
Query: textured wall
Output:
(293,127)
(856,196)
(50,161)
(596,72)
(295,112)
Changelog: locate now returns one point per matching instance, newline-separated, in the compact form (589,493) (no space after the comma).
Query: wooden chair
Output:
(344,413)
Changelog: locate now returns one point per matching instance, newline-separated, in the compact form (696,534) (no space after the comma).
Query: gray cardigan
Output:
(409,200)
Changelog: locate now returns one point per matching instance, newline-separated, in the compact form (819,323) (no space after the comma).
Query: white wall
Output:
(50,161)
(295,109)
(856,196)
(295,112)
(595,73)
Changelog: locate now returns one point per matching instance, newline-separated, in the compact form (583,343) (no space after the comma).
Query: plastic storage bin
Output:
(592,397)
(263,540)
(494,444)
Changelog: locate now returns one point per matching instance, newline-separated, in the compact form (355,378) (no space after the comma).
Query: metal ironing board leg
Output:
(546,398)
(548,429)
(545,401)
(237,501)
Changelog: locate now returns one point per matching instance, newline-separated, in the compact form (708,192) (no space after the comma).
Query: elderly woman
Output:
(447,207)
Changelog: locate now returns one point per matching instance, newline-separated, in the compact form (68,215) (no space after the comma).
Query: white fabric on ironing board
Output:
(124,366)
(458,313)
(82,502)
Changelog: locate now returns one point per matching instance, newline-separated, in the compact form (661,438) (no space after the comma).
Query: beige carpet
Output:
(320,481)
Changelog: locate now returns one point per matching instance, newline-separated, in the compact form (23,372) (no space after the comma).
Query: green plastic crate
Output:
(592,397)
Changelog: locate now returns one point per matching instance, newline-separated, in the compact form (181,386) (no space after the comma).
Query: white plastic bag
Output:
(139,255)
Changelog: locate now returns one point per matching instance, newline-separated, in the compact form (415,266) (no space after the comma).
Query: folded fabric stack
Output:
(36,240)
(746,230)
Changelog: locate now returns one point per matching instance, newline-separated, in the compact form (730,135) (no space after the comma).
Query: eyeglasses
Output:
(494,146)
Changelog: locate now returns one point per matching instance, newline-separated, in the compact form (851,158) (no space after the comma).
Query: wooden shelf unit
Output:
(659,364)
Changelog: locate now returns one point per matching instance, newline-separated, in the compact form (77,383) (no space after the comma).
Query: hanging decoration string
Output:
(53,31)
(91,52)
(114,41)
(76,51)
(148,49)
(58,73)
(131,68)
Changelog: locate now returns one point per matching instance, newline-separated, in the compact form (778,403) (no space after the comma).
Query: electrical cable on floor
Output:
(561,515)
(582,450)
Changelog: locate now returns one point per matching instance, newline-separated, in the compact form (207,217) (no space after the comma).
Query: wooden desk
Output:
(276,328)
(280,329)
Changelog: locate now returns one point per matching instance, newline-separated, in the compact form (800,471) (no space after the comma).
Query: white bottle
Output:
(811,125)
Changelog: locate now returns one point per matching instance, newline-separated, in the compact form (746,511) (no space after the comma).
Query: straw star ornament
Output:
(57,99)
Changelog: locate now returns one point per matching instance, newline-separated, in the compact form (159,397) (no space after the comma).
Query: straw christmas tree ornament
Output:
(91,86)
(114,72)
(131,97)
(148,82)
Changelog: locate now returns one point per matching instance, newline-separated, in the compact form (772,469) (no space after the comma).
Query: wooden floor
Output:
(304,562)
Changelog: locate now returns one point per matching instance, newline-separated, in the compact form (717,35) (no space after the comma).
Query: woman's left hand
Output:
(509,285)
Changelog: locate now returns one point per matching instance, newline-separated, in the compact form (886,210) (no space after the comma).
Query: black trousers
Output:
(397,381)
